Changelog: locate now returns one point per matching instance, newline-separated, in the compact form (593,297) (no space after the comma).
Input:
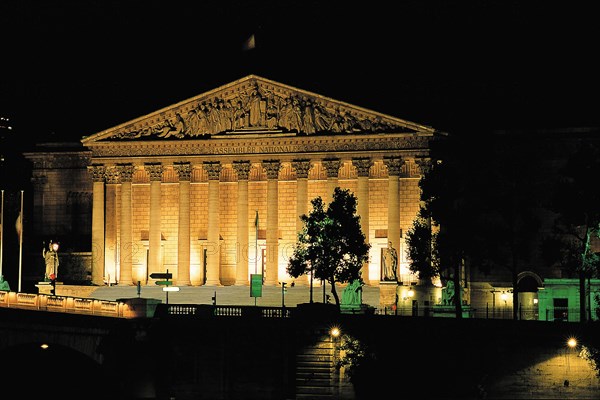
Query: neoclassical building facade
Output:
(211,189)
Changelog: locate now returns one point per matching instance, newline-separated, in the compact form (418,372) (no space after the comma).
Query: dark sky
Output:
(69,69)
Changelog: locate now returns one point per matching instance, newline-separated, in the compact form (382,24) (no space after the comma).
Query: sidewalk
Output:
(232,295)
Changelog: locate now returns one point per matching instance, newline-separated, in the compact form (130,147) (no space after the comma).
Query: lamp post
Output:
(283,290)
(55,249)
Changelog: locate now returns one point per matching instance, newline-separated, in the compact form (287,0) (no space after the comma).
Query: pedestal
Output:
(450,311)
(387,294)
(356,309)
(44,287)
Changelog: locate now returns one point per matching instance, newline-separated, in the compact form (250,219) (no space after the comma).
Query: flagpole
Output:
(1,230)
(21,243)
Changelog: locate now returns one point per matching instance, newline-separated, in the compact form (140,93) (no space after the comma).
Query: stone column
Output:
(98,175)
(110,226)
(184,171)
(126,236)
(394,166)
(302,167)
(332,165)
(272,268)
(242,168)
(363,166)
(213,244)
(155,171)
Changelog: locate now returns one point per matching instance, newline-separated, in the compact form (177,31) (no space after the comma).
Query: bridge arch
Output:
(53,371)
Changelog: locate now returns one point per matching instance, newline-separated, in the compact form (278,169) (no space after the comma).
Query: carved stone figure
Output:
(51,260)
(389,263)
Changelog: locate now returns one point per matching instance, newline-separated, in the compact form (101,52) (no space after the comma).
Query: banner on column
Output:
(256,282)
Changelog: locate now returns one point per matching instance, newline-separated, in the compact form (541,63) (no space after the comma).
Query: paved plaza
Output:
(232,295)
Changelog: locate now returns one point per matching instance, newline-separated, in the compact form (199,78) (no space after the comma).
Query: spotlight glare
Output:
(572,342)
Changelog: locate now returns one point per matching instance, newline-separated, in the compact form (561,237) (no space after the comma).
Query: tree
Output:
(576,203)
(331,244)
(509,193)
(482,208)
(444,193)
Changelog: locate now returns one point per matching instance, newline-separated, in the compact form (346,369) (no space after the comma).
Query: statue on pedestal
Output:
(389,263)
(50,256)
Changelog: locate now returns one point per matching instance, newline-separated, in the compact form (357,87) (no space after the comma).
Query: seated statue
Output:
(352,294)
(4,284)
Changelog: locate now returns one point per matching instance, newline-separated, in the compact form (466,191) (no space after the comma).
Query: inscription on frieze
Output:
(209,148)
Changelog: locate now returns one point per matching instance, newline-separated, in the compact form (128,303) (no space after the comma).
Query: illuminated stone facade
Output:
(181,189)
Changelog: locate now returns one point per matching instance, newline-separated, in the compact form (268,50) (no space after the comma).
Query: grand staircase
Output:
(316,375)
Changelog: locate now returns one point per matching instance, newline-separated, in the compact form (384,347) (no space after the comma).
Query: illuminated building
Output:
(182,189)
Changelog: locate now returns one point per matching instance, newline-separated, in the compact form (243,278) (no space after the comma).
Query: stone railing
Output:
(126,308)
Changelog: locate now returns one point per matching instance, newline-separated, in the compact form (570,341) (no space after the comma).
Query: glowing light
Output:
(335,331)
(504,296)
(535,301)
(411,292)
(572,342)
(44,346)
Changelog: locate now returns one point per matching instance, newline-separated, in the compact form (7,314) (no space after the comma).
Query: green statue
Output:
(4,284)
(352,294)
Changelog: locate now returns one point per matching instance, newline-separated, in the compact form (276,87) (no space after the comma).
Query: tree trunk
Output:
(334,293)
(515,296)
(457,292)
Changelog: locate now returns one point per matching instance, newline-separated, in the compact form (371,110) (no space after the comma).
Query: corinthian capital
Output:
(213,168)
(394,165)
(272,167)
(155,171)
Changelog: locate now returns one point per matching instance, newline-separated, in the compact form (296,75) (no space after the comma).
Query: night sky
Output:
(69,69)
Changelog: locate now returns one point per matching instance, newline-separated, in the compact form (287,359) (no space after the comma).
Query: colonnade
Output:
(122,174)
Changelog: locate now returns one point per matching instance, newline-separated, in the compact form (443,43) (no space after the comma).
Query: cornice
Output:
(263,146)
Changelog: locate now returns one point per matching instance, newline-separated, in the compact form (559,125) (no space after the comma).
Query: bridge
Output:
(104,349)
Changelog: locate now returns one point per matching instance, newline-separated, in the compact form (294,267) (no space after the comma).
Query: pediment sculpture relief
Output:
(258,107)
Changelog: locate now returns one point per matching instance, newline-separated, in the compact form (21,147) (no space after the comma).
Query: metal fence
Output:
(558,314)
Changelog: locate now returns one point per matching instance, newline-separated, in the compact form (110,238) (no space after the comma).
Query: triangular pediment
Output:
(255,106)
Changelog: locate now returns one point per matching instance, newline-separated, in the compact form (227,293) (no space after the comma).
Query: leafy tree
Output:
(331,244)
(421,250)
(482,207)
(444,193)
(577,206)
(508,191)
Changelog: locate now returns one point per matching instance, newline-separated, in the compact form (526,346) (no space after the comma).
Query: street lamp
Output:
(283,290)
(408,295)
(55,249)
